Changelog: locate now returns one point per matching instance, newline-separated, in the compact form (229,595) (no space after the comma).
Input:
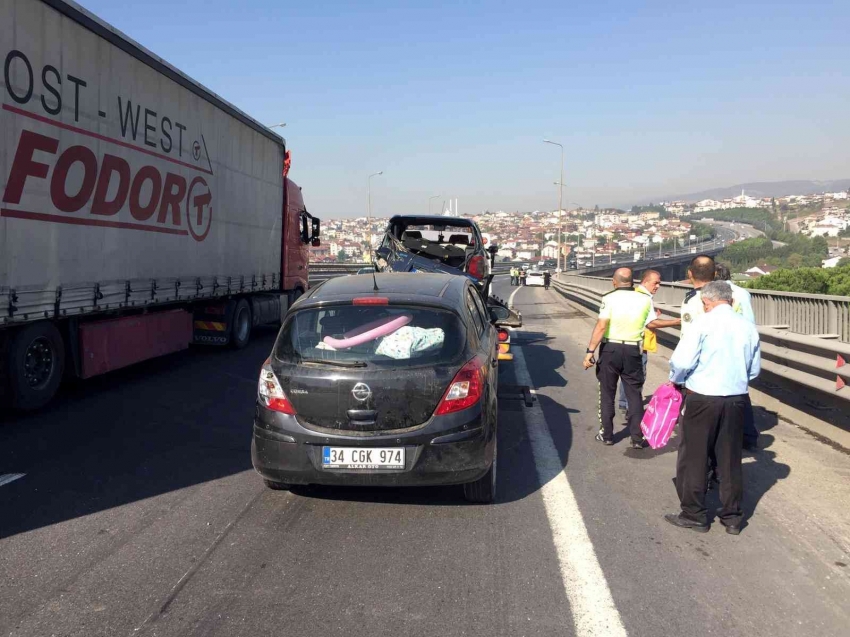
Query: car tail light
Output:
(477,267)
(371,300)
(504,336)
(270,393)
(466,389)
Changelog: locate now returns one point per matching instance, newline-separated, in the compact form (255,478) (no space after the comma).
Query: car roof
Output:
(436,220)
(427,288)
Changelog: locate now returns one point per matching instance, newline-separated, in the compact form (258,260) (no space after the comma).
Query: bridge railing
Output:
(820,315)
(805,362)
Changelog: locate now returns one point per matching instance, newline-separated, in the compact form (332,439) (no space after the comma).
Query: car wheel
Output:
(276,486)
(240,325)
(36,365)
(483,490)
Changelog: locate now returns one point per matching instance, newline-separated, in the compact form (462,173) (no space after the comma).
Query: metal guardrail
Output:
(820,315)
(805,361)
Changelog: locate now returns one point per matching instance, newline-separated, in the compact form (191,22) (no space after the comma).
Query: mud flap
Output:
(211,323)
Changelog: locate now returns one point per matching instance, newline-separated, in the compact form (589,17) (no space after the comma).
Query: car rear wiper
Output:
(330,363)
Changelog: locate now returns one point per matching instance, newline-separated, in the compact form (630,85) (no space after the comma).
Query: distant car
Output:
(368,270)
(666,254)
(535,277)
(395,387)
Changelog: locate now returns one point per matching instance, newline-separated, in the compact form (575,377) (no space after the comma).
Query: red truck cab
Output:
(301,230)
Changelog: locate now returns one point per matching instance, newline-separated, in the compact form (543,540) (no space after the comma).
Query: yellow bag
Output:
(650,341)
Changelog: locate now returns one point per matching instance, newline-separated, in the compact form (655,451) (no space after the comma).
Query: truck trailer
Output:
(141,212)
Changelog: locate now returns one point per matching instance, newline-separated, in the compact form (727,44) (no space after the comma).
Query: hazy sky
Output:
(648,98)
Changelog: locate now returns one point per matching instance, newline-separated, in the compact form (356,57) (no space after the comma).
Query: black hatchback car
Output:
(391,386)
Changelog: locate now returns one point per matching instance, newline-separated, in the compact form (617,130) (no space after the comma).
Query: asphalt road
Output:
(139,514)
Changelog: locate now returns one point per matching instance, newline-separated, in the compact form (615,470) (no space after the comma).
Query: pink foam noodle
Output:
(368,332)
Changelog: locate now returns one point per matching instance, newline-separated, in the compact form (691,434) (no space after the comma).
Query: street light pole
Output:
(281,125)
(429,201)
(369,207)
(560,195)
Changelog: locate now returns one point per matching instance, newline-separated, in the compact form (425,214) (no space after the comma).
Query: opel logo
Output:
(361,392)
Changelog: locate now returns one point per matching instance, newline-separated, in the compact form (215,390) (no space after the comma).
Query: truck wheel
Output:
(483,490)
(240,325)
(36,365)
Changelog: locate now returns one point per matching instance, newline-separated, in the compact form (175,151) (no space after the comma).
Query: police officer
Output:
(700,274)
(623,317)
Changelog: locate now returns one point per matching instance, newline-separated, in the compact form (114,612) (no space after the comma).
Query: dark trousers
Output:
(618,361)
(711,425)
(751,434)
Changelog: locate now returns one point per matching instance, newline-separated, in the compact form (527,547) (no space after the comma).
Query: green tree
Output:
(809,280)
(835,281)
(795,260)
(341,256)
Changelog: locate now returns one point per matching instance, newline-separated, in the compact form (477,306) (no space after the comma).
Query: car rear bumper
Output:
(453,449)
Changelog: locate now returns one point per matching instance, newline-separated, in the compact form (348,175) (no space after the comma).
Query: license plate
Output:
(362,458)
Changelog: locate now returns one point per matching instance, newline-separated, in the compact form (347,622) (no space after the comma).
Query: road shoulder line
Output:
(591,604)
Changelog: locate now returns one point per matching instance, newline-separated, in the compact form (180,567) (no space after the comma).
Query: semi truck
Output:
(140,211)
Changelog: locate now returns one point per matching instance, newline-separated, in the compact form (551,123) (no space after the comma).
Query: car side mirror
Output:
(498,313)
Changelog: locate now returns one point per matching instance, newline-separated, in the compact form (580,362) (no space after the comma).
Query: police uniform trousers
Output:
(623,362)
(711,425)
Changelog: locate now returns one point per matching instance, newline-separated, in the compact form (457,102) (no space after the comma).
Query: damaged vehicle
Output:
(435,244)
(382,379)
(450,245)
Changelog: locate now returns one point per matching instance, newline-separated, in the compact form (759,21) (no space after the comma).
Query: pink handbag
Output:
(661,415)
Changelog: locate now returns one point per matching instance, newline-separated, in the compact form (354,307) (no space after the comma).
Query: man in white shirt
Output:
(743,305)
(700,274)
(714,363)
(742,301)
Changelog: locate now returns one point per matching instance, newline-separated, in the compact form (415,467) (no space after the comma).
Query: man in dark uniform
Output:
(623,317)
(547,279)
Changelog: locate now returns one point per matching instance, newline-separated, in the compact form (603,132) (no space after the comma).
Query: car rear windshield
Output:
(388,335)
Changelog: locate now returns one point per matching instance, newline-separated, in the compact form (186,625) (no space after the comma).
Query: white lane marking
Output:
(6,478)
(513,294)
(591,603)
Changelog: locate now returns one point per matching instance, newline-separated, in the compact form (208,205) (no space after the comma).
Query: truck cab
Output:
(301,230)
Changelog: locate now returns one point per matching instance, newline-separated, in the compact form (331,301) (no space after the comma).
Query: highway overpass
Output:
(130,507)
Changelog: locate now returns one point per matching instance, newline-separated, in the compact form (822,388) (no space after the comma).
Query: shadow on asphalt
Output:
(150,429)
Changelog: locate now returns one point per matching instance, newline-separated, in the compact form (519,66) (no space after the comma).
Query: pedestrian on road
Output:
(700,274)
(715,360)
(547,279)
(649,284)
(522,274)
(743,302)
(743,305)
(513,277)
(623,317)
